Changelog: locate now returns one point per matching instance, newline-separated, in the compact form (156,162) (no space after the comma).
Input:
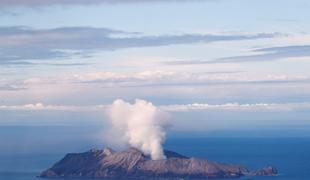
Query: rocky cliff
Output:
(132,163)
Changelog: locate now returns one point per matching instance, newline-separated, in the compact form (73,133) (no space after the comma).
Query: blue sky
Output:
(224,64)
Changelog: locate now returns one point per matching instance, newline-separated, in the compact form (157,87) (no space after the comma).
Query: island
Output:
(133,164)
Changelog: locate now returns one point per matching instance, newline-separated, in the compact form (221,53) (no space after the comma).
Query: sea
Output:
(291,156)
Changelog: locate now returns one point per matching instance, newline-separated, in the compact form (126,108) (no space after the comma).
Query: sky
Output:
(211,64)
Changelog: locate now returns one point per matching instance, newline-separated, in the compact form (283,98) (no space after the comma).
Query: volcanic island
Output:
(133,164)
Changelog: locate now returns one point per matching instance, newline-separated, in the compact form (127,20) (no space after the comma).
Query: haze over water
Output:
(289,155)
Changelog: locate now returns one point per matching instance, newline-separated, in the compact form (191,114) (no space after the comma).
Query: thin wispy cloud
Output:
(165,78)
(263,54)
(21,43)
(269,54)
(44,107)
(7,87)
(186,62)
(32,64)
(171,108)
(237,106)
(178,77)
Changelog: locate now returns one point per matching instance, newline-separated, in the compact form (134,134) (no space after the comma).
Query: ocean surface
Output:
(290,155)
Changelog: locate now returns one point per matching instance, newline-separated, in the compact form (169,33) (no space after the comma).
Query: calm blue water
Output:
(290,155)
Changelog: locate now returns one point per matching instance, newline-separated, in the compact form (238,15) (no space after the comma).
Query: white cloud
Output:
(150,78)
(174,78)
(43,107)
(122,77)
(237,106)
(170,108)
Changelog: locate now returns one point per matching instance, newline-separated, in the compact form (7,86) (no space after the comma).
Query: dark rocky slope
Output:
(132,163)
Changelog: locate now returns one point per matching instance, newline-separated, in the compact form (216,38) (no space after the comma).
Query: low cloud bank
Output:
(166,108)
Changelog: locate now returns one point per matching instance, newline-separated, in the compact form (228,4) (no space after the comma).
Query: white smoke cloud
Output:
(141,125)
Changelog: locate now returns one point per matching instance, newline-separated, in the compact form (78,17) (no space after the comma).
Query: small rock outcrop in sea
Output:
(132,163)
(264,171)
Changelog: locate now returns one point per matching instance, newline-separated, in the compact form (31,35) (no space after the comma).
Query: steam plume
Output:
(141,125)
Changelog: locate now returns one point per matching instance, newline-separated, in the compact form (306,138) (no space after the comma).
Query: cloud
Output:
(268,54)
(29,63)
(23,43)
(123,77)
(170,108)
(237,106)
(44,107)
(46,44)
(170,78)
(263,54)
(151,79)
(8,87)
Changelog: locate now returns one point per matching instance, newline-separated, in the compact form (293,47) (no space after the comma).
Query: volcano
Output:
(133,164)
